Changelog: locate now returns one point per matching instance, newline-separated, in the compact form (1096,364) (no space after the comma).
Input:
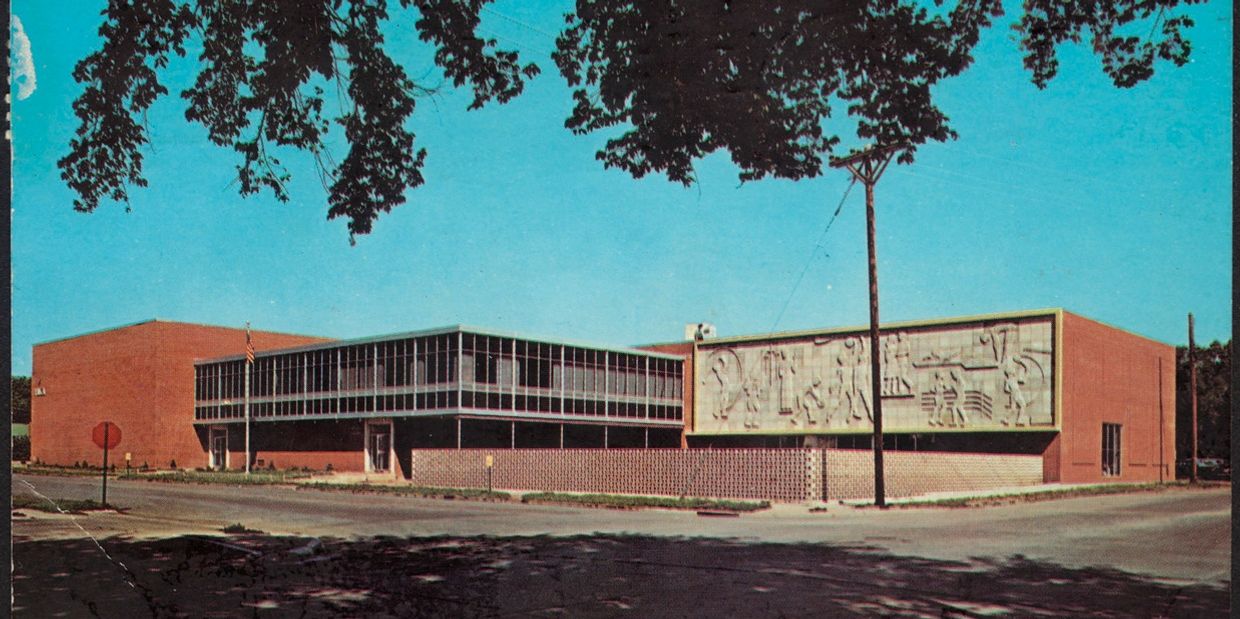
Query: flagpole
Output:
(249,362)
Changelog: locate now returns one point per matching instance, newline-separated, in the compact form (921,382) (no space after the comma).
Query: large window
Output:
(443,371)
(1110,449)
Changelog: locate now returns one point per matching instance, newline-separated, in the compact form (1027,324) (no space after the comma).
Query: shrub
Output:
(21,448)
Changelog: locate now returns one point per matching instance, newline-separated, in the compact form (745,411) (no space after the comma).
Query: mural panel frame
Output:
(993,373)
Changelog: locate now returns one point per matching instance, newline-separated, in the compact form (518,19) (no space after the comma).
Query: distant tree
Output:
(1213,402)
(19,399)
(680,80)
(21,449)
(265,65)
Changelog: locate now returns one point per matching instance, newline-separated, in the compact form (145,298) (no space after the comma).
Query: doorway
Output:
(218,445)
(378,447)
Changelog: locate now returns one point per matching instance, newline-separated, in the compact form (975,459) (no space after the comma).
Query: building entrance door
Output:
(219,450)
(380,447)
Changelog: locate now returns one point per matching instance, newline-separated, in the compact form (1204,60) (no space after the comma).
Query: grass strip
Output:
(56,506)
(626,501)
(220,477)
(59,471)
(418,491)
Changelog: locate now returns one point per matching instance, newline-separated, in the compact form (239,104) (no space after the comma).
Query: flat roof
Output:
(886,326)
(164,321)
(96,331)
(443,331)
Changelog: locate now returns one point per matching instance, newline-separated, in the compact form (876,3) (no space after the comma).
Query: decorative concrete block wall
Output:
(850,473)
(787,475)
(781,475)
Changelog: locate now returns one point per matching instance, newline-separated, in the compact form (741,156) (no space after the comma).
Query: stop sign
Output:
(113,435)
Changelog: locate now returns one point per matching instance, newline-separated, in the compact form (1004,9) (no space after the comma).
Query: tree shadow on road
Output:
(606,575)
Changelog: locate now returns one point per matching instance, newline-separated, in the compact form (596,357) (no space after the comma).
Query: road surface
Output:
(1150,554)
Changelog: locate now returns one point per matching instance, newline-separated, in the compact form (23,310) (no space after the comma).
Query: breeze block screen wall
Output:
(781,475)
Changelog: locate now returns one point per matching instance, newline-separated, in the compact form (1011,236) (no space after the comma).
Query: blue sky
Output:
(1111,203)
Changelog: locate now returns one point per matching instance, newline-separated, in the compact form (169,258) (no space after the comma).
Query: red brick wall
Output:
(1112,376)
(140,377)
(295,444)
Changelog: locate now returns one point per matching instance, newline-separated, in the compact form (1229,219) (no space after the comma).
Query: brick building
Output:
(968,402)
(363,405)
(138,376)
(1095,402)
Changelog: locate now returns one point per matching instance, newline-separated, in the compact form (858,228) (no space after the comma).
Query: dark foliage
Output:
(1213,402)
(21,449)
(759,80)
(678,80)
(264,64)
(19,399)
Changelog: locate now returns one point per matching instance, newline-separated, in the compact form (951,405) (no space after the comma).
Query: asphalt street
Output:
(1177,533)
(1167,551)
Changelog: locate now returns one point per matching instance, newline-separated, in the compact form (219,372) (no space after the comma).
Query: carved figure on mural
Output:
(896,365)
(782,372)
(753,403)
(939,389)
(1004,345)
(808,400)
(998,337)
(1013,377)
(720,370)
(854,376)
(960,387)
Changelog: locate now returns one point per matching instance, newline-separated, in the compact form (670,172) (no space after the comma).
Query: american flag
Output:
(249,345)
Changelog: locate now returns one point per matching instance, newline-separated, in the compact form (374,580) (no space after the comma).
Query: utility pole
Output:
(867,166)
(249,364)
(1192,397)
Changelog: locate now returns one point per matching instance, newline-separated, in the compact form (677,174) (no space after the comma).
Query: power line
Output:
(814,253)
(519,22)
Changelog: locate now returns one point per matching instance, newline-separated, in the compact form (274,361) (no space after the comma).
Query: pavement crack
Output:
(129,577)
(128,574)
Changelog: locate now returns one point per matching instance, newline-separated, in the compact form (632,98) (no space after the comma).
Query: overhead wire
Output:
(818,245)
(519,22)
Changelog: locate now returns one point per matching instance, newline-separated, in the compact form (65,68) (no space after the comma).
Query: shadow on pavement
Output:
(275,576)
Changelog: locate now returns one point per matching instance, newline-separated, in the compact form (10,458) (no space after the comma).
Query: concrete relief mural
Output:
(991,376)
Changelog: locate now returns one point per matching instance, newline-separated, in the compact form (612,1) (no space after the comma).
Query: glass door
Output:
(219,450)
(380,447)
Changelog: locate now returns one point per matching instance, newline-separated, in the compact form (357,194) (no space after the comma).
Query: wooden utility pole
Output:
(249,365)
(1192,396)
(867,166)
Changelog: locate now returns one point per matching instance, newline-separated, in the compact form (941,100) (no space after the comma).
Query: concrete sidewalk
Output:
(980,494)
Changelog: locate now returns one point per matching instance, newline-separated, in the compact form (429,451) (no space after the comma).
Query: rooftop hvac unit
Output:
(699,331)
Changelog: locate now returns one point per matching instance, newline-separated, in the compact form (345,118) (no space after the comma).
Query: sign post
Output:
(490,465)
(106,435)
